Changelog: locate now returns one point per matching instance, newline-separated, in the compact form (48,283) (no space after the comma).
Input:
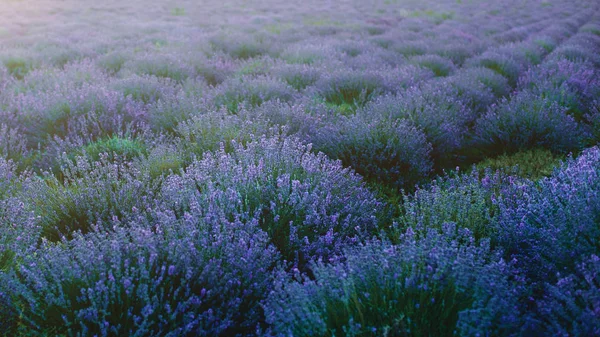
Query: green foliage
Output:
(439,65)
(112,62)
(342,108)
(115,147)
(164,160)
(253,67)
(160,66)
(532,164)
(90,194)
(546,43)
(178,11)
(251,92)
(350,90)
(18,67)
(435,16)
(593,28)
(464,199)
(146,89)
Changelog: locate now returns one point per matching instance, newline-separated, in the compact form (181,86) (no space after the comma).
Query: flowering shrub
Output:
(306,53)
(354,89)
(201,274)
(469,89)
(394,290)
(13,144)
(18,227)
(438,111)
(66,104)
(145,89)
(115,147)
(555,221)
(573,85)
(502,64)
(465,199)
(527,121)
(299,76)
(112,62)
(240,46)
(162,66)
(497,83)
(232,94)
(309,205)
(165,114)
(90,192)
(392,153)
(208,132)
(18,66)
(439,65)
(572,304)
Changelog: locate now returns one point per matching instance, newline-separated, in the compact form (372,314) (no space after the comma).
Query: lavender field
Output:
(300,168)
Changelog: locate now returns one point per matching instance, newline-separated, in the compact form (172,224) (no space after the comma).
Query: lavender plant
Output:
(350,90)
(208,132)
(438,111)
(240,46)
(91,191)
(299,76)
(467,199)
(310,206)
(439,65)
(527,121)
(442,284)
(388,152)
(252,91)
(13,144)
(572,304)
(553,222)
(572,85)
(502,64)
(200,274)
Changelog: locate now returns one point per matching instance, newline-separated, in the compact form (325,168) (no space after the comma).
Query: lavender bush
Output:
(201,274)
(308,204)
(527,121)
(555,221)
(251,91)
(438,111)
(90,191)
(392,153)
(465,199)
(395,290)
(572,304)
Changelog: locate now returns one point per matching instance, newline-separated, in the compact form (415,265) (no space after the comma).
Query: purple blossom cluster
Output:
(275,169)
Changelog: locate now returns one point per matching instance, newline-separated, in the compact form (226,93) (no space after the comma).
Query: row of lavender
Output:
(154,193)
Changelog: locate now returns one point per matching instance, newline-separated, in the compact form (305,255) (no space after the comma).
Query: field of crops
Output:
(300,168)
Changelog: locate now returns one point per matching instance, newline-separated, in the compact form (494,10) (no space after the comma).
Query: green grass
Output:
(437,17)
(342,108)
(532,164)
(160,163)
(590,28)
(348,97)
(18,67)
(178,11)
(254,67)
(121,147)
